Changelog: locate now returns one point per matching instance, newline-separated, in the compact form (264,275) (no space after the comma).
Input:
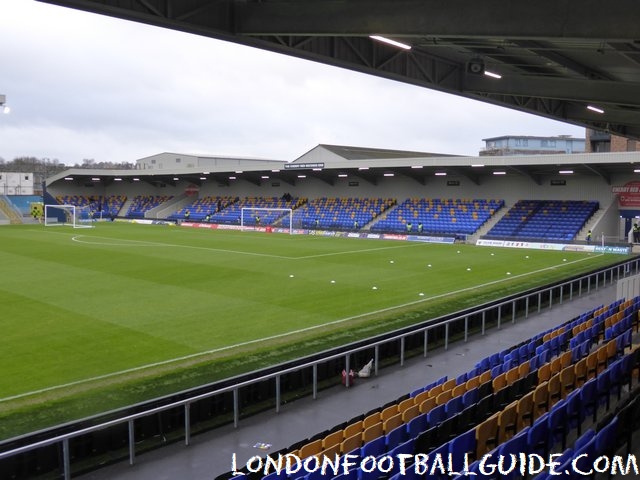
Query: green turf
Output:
(122,303)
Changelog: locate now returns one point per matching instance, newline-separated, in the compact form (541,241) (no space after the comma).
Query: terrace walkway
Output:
(209,454)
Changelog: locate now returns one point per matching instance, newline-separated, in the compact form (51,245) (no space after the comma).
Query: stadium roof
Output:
(369,154)
(331,163)
(574,61)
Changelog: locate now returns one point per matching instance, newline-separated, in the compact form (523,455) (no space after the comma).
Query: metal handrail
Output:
(627,267)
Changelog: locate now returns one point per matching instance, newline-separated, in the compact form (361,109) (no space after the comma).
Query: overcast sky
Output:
(85,86)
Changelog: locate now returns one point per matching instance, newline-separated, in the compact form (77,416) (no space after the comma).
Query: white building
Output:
(16,183)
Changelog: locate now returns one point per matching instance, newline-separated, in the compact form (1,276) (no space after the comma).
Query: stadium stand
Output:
(511,421)
(101,206)
(231,209)
(544,219)
(23,202)
(439,216)
(342,213)
(201,207)
(143,203)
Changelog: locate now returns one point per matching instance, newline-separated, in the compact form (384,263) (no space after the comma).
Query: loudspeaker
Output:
(475,66)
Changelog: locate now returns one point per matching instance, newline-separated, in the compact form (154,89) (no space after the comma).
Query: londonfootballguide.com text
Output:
(424,464)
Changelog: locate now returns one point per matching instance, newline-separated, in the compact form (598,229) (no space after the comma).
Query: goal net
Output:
(267,217)
(67,215)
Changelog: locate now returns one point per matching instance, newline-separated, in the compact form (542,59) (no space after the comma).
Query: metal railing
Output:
(532,300)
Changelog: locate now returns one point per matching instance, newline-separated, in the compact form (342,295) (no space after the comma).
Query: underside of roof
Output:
(555,57)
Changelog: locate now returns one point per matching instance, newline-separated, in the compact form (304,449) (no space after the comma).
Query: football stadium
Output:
(361,312)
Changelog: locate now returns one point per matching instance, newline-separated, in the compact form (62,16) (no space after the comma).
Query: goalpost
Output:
(266,217)
(67,215)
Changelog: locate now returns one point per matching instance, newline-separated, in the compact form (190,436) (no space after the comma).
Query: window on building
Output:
(153,162)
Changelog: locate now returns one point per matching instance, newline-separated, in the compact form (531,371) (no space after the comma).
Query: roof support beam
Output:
(598,171)
(525,173)
(601,92)
(453,18)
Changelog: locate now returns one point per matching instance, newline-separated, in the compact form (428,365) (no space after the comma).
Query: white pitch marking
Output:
(273,337)
(79,239)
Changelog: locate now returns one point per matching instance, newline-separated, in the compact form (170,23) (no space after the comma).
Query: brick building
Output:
(597,142)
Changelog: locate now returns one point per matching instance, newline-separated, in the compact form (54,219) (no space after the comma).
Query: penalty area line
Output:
(277,336)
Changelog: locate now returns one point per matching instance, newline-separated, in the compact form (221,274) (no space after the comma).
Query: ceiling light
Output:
(390,42)
(232,178)
(416,166)
(363,168)
(476,165)
(388,174)
(205,173)
(565,172)
(136,179)
(117,179)
(302,176)
(342,175)
(637,170)
(264,177)
(500,172)
(492,75)
(316,169)
(595,109)
(68,178)
(203,178)
(175,179)
(275,171)
(238,171)
(440,174)
(95,179)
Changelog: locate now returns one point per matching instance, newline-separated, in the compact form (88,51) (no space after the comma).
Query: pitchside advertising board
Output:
(564,247)
(411,238)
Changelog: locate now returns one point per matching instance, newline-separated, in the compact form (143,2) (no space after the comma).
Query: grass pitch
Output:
(94,319)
